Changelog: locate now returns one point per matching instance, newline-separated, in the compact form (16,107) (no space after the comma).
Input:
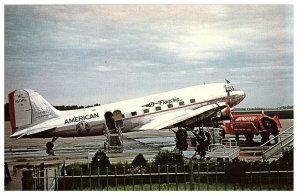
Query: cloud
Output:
(105,69)
(160,46)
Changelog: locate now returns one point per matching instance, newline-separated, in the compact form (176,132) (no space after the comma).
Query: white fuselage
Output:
(138,111)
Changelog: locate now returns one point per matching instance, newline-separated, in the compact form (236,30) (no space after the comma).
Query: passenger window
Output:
(181,103)
(123,116)
(158,108)
(146,111)
(192,100)
(170,105)
(133,113)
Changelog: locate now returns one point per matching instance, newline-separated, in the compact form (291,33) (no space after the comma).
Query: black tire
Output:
(49,146)
(275,132)
(207,142)
(181,134)
(182,145)
(249,137)
(201,151)
(237,137)
(265,137)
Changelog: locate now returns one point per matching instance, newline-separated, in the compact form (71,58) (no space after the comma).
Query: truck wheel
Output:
(237,137)
(265,137)
(249,137)
(275,132)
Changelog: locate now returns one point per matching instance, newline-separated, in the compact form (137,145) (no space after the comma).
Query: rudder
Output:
(27,108)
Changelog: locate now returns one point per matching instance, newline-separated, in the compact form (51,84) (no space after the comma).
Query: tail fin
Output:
(27,108)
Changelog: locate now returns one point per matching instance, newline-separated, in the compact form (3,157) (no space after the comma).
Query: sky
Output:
(88,54)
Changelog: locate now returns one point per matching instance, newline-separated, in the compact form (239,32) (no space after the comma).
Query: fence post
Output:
(269,179)
(106,178)
(27,179)
(81,185)
(90,177)
(72,178)
(225,180)
(278,181)
(36,176)
(55,180)
(158,168)
(168,187)
(287,175)
(7,174)
(251,176)
(184,177)
(207,180)
(150,177)
(198,168)
(98,178)
(116,179)
(259,176)
(47,184)
(176,178)
(142,180)
(124,179)
(191,175)
(216,176)
(132,177)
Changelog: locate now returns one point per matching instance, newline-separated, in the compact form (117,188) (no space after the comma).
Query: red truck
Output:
(251,124)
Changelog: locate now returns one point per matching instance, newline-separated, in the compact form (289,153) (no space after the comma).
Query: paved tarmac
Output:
(20,152)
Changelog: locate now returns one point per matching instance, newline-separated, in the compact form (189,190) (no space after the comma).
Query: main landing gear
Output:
(202,137)
(50,146)
(181,139)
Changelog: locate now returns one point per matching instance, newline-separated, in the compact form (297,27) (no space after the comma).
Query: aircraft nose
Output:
(238,96)
(242,95)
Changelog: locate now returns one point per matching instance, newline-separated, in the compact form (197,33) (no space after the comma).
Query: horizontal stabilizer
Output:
(31,131)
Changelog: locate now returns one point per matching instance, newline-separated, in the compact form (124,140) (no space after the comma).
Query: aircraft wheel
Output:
(181,134)
(249,137)
(201,151)
(49,146)
(208,139)
(222,133)
(182,145)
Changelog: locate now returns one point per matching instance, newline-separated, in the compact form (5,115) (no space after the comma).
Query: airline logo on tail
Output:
(26,108)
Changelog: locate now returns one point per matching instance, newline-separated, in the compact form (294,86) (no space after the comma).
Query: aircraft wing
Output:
(185,117)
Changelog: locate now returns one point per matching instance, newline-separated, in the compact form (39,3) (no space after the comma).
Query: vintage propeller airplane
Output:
(33,117)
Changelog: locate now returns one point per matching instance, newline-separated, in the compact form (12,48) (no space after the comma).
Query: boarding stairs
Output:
(114,138)
(285,142)
(227,149)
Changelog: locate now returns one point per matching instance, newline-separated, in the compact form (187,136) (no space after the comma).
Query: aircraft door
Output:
(117,115)
(110,123)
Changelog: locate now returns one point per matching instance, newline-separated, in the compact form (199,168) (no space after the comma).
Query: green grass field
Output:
(197,187)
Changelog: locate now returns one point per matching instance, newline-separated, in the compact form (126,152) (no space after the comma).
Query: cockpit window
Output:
(229,88)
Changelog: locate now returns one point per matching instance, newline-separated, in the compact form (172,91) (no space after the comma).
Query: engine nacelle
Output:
(224,114)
